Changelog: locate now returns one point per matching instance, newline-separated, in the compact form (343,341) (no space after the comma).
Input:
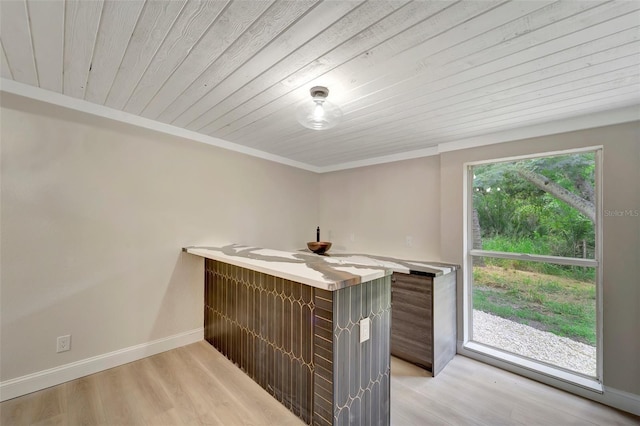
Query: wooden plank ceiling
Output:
(407,74)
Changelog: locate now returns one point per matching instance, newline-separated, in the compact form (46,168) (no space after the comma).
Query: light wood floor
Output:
(196,385)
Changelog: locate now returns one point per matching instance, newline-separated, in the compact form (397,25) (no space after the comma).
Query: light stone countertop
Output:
(326,272)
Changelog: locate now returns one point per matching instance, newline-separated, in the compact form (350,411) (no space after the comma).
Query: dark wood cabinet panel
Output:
(415,349)
(413,318)
(302,343)
(423,319)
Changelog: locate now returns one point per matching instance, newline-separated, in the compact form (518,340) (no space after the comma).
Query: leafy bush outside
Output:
(533,246)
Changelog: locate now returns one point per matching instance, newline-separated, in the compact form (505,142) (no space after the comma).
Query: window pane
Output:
(539,310)
(539,206)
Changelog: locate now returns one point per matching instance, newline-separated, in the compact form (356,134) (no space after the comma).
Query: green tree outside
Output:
(543,206)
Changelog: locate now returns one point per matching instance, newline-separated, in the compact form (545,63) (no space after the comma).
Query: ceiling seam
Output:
(33,47)
(222,11)
(93,52)
(315,4)
(124,52)
(4,54)
(146,68)
(64,40)
(214,61)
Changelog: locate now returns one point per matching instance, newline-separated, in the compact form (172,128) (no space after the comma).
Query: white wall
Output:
(94,214)
(423,198)
(381,206)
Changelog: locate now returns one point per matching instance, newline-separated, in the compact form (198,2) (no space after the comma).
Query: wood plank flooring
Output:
(196,385)
(468,392)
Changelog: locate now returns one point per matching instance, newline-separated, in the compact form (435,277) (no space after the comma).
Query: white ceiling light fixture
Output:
(319,114)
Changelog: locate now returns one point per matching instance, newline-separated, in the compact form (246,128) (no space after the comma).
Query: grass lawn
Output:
(560,305)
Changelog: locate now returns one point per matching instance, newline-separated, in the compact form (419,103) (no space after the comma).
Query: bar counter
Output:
(292,322)
(331,272)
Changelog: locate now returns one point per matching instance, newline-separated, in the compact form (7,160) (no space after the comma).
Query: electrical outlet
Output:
(64,343)
(409,241)
(352,237)
(365,329)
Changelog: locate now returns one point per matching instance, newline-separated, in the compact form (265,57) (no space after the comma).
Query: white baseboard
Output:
(622,400)
(64,373)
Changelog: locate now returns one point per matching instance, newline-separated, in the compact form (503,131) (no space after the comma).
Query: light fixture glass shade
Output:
(319,114)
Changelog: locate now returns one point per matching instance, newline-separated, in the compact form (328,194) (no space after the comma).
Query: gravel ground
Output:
(533,343)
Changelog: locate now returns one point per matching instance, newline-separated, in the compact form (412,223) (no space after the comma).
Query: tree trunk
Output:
(585,188)
(585,207)
(477,238)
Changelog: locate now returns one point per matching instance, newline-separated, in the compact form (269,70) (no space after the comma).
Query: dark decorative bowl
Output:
(319,247)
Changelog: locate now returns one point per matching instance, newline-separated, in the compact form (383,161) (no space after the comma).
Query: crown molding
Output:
(589,121)
(425,152)
(20,89)
(571,124)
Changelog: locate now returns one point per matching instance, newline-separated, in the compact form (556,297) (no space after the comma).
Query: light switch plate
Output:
(365,329)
